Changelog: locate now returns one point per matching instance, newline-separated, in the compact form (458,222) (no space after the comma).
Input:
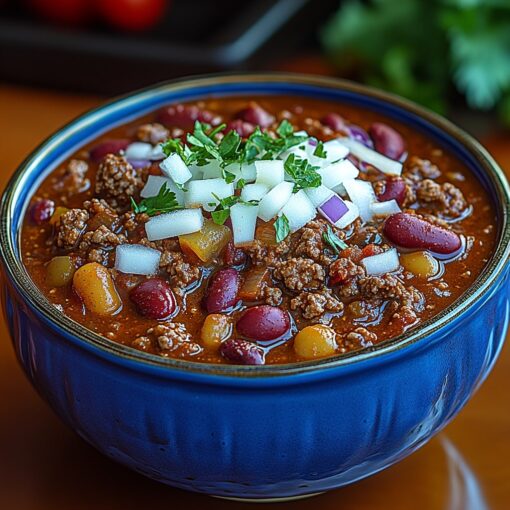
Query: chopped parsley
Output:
(319,151)
(336,244)
(222,211)
(282,228)
(165,201)
(302,172)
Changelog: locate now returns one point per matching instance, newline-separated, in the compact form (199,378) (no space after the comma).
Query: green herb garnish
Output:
(165,201)
(282,228)
(336,244)
(222,211)
(319,151)
(302,172)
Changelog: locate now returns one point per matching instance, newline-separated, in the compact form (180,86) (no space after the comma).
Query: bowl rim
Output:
(76,332)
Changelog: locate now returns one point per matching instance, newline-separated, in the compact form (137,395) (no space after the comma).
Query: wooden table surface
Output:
(43,465)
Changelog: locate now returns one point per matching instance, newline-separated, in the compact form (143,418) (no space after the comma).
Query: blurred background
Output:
(450,55)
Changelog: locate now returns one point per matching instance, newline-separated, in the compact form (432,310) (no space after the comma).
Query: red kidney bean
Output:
(154,299)
(333,121)
(386,140)
(263,323)
(242,352)
(42,211)
(394,189)
(409,231)
(233,256)
(98,152)
(222,291)
(244,129)
(256,115)
(184,116)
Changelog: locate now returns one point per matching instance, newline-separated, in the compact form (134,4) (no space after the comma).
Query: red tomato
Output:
(131,14)
(66,12)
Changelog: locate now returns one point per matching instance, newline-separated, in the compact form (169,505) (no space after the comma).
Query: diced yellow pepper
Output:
(315,341)
(94,284)
(215,329)
(420,263)
(208,242)
(266,234)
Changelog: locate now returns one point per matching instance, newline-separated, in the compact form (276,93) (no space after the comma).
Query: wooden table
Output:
(44,465)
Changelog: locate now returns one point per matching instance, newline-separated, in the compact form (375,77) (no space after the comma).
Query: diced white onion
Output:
(382,263)
(335,151)
(318,195)
(200,193)
(271,203)
(299,210)
(138,151)
(197,172)
(175,223)
(270,173)
(248,172)
(349,216)
(372,157)
(254,192)
(297,151)
(244,221)
(175,168)
(157,153)
(362,194)
(385,208)
(136,259)
(212,170)
(153,186)
(336,173)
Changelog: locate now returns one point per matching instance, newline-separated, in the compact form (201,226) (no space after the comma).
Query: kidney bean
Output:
(244,129)
(42,211)
(359,134)
(333,121)
(394,189)
(154,299)
(222,291)
(256,115)
(184,116)
(233,256)
(98,152)
(263,323)
(242,352)
(409,231)
(386,140)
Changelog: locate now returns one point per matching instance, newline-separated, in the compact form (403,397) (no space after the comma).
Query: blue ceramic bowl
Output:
(257,432)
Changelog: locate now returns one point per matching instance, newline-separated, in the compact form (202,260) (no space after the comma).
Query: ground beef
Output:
(345,269)
(96,245)
(152,133)
(98,206)
(263,255)
(300,273)
(70,228)
(182,272)
(117,180)
(172,337)
(417,169)
(74,179)
(357,339)
(315,304)
(445,198)
(309,242)
(271,295)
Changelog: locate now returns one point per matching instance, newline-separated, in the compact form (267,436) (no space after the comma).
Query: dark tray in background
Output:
(195,37)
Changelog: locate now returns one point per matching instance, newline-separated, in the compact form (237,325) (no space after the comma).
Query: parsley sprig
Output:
(282,228)
(165,201)
(302,172)
(336,244)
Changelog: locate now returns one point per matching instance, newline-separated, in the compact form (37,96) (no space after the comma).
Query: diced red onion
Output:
(139,163)
(333,209)
(358,134)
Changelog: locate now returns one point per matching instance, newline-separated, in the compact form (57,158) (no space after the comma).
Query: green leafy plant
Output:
(420,49)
